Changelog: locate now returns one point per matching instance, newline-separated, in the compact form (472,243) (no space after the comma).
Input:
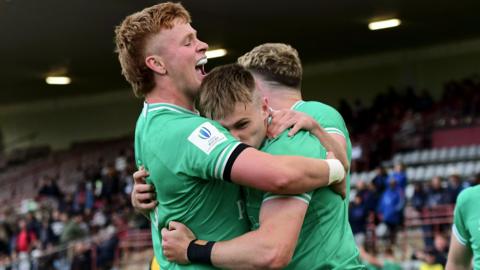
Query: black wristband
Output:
(200,253)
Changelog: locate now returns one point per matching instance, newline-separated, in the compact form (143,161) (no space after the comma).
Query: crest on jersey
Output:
(206,137)
(204,133)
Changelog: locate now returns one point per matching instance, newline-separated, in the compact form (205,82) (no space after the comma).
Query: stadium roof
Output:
(38,37)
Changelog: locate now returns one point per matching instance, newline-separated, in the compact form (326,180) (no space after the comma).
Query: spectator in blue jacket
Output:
(391,208)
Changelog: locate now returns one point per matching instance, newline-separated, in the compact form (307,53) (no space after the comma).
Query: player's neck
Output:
(172,96)
(280,100)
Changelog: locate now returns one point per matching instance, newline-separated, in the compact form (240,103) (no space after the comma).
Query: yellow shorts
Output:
(154,264)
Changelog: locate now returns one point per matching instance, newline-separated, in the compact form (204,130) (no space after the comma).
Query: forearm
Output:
(451,265)
(248,251)
(332,145)
(269,247)
(282,174)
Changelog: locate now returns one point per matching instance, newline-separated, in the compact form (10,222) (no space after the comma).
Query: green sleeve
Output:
(302,144)
(459,228)
(332,121)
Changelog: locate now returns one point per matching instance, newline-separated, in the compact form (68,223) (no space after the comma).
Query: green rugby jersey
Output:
(326,240)
(466,222)
(189,158)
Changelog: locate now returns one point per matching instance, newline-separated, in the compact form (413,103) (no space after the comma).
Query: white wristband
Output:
(336,171)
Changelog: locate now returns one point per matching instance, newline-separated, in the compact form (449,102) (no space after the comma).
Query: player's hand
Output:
(283,119)
(143,194)
(341,187)
(175,241)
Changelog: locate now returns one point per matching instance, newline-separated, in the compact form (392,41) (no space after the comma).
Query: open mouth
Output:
(200,66)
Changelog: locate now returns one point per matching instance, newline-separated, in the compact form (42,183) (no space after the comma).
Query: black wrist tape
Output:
(200,253)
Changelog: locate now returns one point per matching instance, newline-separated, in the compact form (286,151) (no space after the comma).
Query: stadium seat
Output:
(477,167)
(398,157)
(452,154)
(429,172)
(419,173)
(442,155)
(433,155)
(469,168)
(463,153)
(415,158)
(409,190)
(439,170)
(410,173)
(471,151)
(407,158)
(424,156)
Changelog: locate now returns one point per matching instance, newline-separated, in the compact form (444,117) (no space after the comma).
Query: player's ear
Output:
(265,107)
(156,64)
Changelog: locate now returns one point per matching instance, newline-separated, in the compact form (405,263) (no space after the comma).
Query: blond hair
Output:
(222,88)
(131,36)
(276,62)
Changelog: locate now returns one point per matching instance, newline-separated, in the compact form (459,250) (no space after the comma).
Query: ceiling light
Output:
(216,53)
(377,25)
(58,80)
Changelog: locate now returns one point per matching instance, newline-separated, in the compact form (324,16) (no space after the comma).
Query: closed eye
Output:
(241,125)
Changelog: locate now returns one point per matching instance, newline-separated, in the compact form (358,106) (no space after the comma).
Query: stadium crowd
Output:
(75,228)
(65,228)
(403,120)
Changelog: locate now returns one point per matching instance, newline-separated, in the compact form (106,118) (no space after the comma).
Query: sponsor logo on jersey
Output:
(206,137)
(204,133)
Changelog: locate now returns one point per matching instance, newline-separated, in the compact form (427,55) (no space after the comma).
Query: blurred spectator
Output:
(435,255)
(121,161)
(84,197)
(26,239)
(400,175)
(429,263)
(49,188)
(391,207)
(81,257)
(46,236)
(419,197)
(74,229)
(369,196)
(380,179)
(455,186)
(358,219)
(436,194)
(476,180)
(371,261)
(4,240)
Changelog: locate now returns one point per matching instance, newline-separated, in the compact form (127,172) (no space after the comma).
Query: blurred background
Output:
(410,96)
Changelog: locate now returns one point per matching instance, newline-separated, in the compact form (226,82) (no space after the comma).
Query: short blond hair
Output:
(131,36)
(222,88)
(277,62)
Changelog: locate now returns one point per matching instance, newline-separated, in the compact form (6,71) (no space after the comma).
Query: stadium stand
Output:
(70,209)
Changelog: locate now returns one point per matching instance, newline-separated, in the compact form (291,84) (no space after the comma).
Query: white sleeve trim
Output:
(334,131)
(286,196)
(460,239)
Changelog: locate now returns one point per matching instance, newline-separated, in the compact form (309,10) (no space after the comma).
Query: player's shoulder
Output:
(317,106)
(469,196)
(302,143)
(178,119)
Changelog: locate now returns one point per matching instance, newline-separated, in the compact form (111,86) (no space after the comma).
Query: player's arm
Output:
(459,255)
(333,142)
(270,247)
(284,174)
(253,168)
(367,257)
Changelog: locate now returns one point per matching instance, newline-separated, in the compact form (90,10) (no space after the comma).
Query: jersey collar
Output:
(297,104)
(151,107)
